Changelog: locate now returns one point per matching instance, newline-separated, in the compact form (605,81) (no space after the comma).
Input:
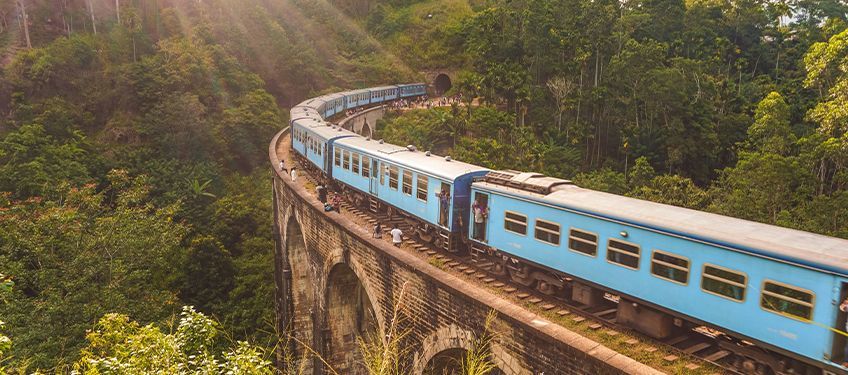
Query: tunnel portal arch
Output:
(442,83)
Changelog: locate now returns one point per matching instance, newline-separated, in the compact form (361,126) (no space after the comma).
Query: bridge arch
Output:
(445,346)
(303,300)
(349,315)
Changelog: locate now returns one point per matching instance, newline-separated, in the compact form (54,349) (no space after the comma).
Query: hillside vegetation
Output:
(731,107)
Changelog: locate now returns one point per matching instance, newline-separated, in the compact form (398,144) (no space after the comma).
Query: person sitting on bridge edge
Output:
(283,166)
(322,193)
(378,230)
(397,235)
(337,202)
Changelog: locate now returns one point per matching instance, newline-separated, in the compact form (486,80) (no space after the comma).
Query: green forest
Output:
(135,200)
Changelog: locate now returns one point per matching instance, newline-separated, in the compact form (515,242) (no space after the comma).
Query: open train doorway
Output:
(480,215)
(840,341)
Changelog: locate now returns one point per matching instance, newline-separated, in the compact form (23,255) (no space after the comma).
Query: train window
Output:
(422,187)
(583,242)
(547,231)
(366,166)
(355,163)
(671,267)
(515,222)
(787,300)
(346,159)
(393,177)
(338,157)
(623,253)
(407,182)
(724,282)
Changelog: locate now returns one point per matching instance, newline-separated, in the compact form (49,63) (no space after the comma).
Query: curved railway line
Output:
(698,351)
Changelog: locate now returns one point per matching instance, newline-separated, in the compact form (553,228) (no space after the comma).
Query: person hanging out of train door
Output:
(844,308)
(480,209)
(444,204)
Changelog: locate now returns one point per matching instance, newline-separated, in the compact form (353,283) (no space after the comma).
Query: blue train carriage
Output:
(412,89)
(671,268)
(313,141)
(383,94)
(408,183)
(357,98)
(334,104)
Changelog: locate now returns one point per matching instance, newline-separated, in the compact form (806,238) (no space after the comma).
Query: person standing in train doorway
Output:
(481,212)
(444,204)
(844,308)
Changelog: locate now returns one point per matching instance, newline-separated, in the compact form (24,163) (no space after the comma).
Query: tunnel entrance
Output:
(350,316)
(301,305)
(442,84)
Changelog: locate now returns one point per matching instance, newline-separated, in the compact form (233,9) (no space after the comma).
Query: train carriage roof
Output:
(382,88)
(434,165)
(809,249)
(325,130)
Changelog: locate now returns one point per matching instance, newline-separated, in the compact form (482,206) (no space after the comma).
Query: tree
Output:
(760,187)
(80,254)
(118,345)
(770,132)
(25,21)
(561,89)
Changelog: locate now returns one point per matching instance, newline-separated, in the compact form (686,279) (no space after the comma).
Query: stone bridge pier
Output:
(335,285)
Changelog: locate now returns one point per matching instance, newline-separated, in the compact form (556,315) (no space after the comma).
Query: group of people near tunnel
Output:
(425,101)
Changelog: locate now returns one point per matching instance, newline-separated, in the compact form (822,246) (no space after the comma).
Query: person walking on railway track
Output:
(294,174)
(378,230)
(397,235)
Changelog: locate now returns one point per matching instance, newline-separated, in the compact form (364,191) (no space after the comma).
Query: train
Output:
(769,295)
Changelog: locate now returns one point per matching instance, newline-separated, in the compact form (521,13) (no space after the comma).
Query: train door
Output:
(480,215)
(444,204)
(840,341)
(375,170)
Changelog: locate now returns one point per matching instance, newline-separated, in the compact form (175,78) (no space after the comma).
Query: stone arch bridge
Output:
(335,283)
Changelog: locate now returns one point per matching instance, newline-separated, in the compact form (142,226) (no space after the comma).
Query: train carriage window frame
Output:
(550,232)
(393,181)
(406,184)
(571,230)
(811,304)
(719,279)
(663,263)
(346,159)
(421,187)
(337,157)
(366,166)
(508,220)
(637,255)
(354,162)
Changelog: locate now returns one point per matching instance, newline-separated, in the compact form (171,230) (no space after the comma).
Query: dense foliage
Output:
(133,166)
(732,107)
(133,138)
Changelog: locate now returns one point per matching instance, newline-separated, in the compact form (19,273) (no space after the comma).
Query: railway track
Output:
(701,343)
